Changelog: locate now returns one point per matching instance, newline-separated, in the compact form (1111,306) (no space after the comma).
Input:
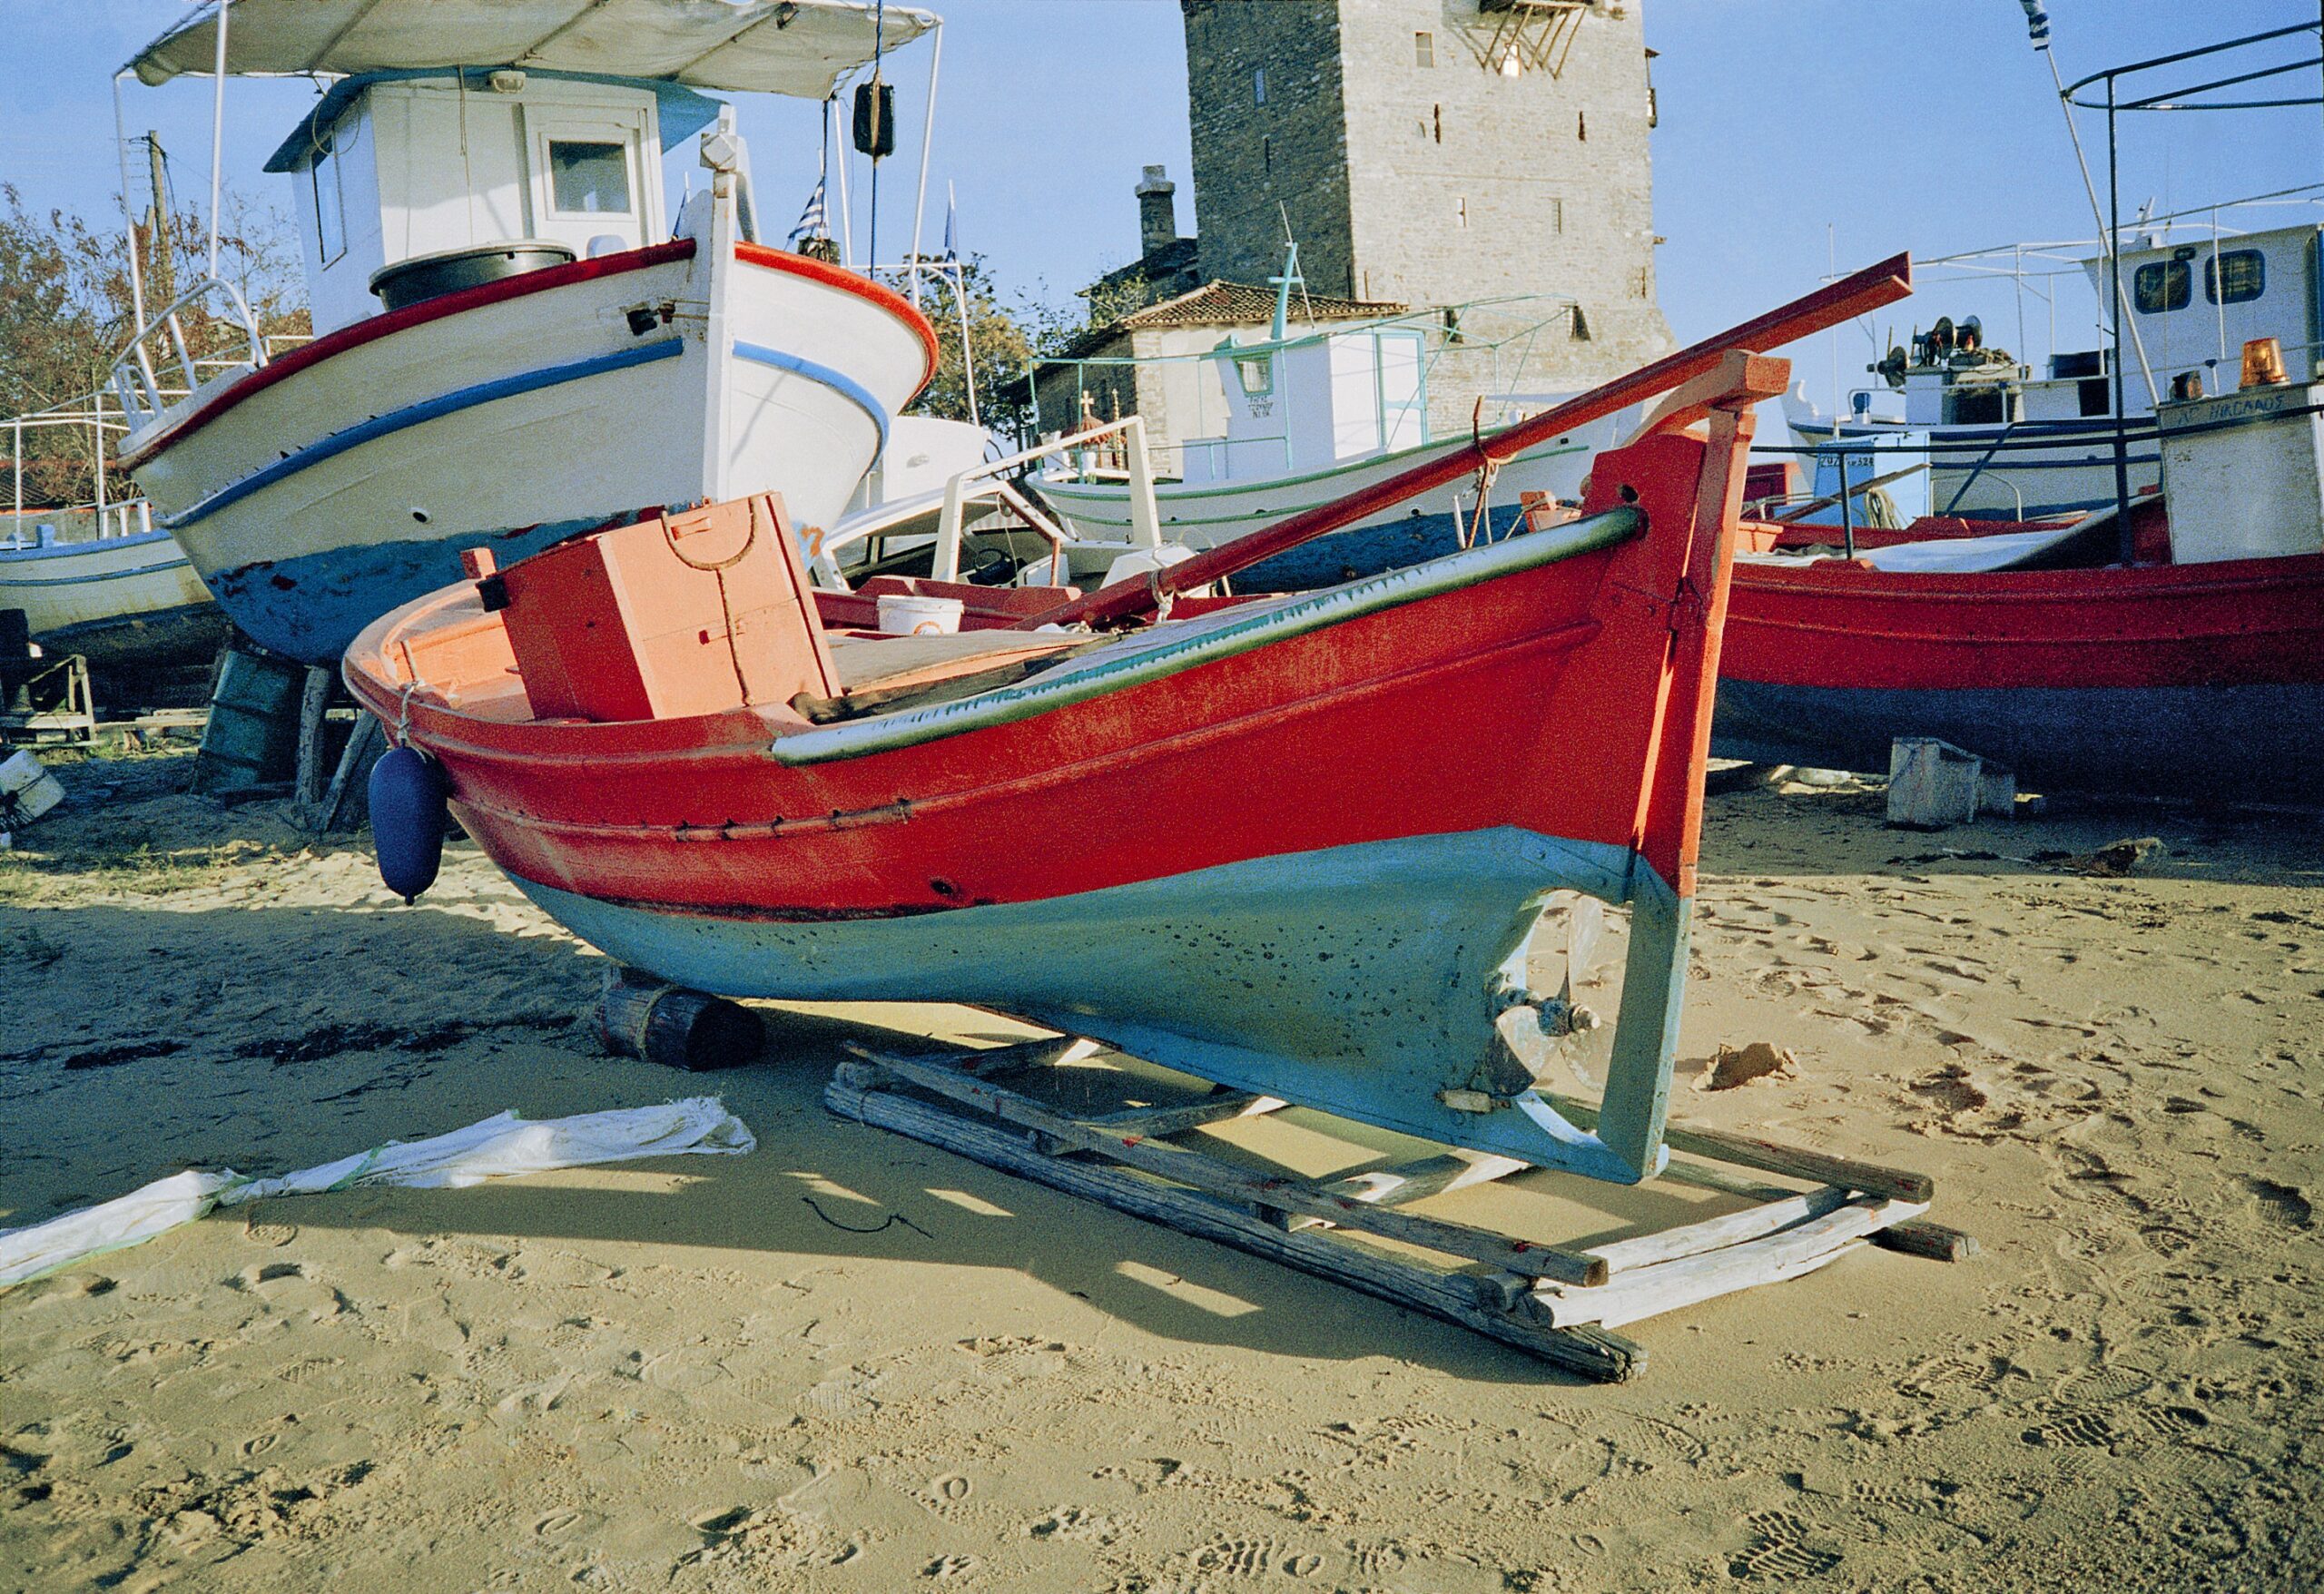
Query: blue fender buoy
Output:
(407,793)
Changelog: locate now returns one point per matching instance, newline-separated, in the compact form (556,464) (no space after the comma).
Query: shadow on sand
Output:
(272,1038)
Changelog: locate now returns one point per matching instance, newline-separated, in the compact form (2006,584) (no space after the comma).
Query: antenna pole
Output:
(218,133)
(2114,274)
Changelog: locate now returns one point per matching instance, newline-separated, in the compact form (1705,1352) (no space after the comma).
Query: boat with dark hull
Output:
(2194,668)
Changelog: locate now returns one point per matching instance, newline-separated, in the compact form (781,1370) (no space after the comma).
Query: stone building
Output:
(1436,152)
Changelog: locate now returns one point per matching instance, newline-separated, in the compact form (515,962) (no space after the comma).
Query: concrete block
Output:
(1931,784)
(27,790)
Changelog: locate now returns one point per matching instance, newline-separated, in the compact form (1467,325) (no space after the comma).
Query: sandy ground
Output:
(851,1362)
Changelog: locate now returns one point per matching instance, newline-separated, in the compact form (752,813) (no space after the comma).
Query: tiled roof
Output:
(1234,303)
(1216,304)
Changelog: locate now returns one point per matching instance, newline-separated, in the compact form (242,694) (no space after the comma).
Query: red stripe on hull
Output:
(2243,622)
(846,282)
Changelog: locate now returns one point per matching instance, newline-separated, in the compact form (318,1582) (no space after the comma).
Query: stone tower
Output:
(1437,151)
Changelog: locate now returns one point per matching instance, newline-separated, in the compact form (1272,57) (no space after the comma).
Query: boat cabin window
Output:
(2162,285)
(2237,276)
(1256,372)
(331,204)
(588,178)
(1983,405)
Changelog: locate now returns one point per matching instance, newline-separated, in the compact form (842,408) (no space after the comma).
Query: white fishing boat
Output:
(97,578)
(120,601)
(1310,416)
(2009,439)
(517,338)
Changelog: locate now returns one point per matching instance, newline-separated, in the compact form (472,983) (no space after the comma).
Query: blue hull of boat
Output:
(2224,743)
(312,607)
(1359,979)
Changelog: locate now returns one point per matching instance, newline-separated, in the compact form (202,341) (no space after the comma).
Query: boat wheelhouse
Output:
(2012,439)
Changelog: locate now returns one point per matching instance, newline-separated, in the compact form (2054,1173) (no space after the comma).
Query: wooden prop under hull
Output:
(1561,1303)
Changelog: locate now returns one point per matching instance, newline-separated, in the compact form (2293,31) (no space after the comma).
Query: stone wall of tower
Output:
(1419,170)
(1258,162)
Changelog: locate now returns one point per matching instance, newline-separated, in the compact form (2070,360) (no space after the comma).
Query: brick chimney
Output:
(1158,211)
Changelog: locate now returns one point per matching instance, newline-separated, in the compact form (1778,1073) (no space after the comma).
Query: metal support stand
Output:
(1560,1303)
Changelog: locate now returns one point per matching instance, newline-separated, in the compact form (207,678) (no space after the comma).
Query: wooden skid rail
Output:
(1561,1303)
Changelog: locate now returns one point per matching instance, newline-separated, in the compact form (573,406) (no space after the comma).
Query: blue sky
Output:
(1921,125)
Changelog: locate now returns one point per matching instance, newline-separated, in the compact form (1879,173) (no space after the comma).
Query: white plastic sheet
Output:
(498,1147)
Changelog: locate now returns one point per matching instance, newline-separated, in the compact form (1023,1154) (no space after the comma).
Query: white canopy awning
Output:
(801,47)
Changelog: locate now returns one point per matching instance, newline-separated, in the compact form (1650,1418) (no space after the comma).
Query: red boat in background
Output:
(2196,669)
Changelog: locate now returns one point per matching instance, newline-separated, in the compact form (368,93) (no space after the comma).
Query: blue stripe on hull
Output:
(1366,550)
(312,607)
(1357,980)
(2253,743)
(838,381)
(412,414)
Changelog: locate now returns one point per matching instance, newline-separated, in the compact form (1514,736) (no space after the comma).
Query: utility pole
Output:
(157,227)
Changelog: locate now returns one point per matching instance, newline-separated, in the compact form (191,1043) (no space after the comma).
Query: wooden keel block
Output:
(639,1017)
(1921,1238)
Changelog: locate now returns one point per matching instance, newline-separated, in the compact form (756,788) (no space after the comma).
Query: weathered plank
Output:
(1715,1234)
(1665,1286)
(1591,1352)
(1258,1190)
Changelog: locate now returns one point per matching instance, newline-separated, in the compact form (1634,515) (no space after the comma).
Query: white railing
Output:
(127,517)
(133,379)
(1145,519)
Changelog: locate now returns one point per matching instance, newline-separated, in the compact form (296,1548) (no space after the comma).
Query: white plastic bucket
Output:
(920,616)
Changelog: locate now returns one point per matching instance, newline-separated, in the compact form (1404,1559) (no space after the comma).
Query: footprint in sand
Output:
(1780,1551)
(1251,1558)
(2102,1385)
(2132,1425)
(947,1495)
(2281,1206)
(1074,1523)
(63,1290)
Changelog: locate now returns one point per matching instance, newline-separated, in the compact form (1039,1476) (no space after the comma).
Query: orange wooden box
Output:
(690,613)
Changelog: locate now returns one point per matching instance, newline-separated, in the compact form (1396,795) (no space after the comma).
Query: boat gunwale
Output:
(1278,620)
(1838,578)
(103,544)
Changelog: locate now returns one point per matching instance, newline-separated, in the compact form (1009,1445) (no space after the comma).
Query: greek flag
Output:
(951,208)
(811,221)
(2037,22)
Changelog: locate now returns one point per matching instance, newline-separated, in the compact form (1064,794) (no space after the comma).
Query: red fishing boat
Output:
(1293,845)
(2195,668)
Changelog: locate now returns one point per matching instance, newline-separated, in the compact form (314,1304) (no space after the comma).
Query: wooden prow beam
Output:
(1868,289)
